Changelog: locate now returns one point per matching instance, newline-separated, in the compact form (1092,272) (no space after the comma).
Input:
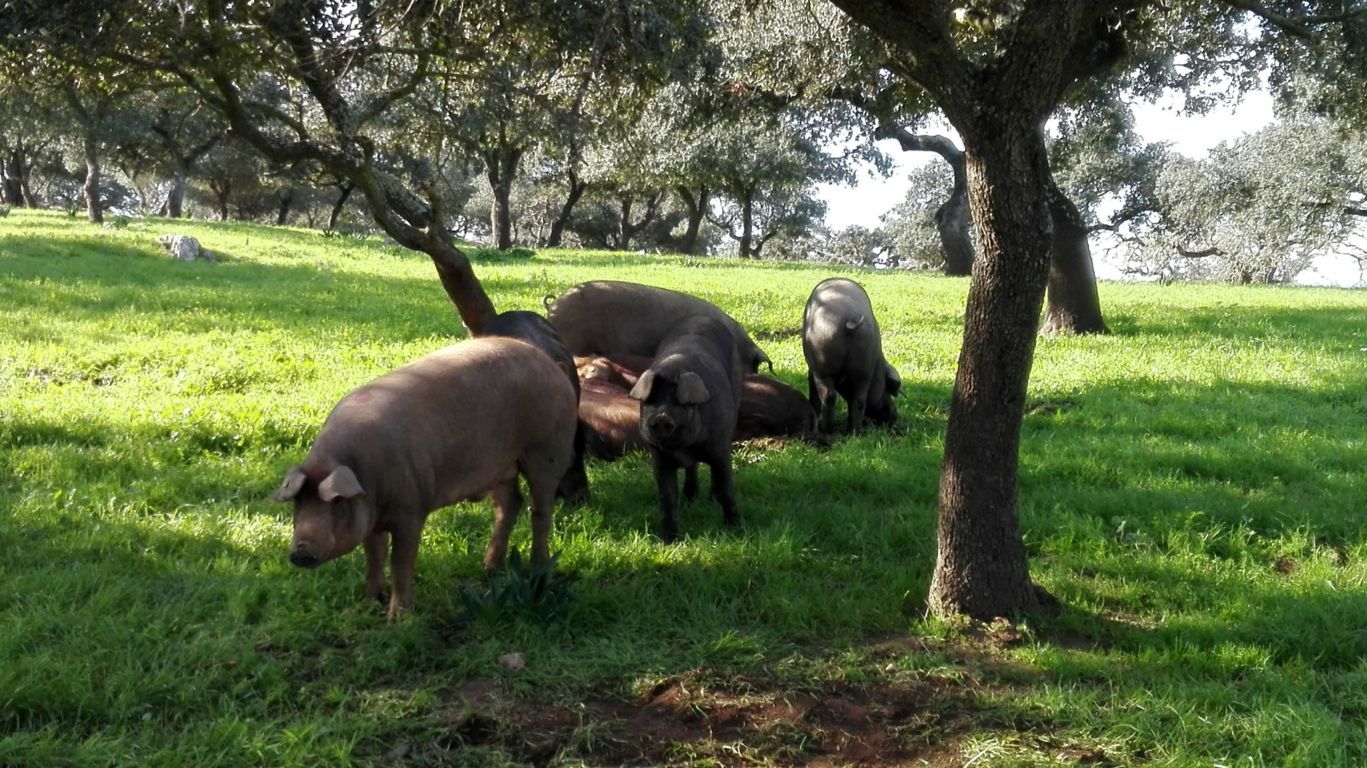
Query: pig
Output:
(456,425)
(771,408)
(535,330)
(611,419)
(844,352)
(689,398)
(768,407)
(607,316)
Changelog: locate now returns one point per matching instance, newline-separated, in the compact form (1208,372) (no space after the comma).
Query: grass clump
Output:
(1191,488)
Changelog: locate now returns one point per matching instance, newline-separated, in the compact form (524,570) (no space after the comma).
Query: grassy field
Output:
(1192,489)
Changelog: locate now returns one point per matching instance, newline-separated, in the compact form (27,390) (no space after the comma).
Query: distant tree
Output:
(1260,209)
(914,226)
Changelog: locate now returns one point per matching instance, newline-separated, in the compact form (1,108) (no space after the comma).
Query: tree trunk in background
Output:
(1074,306)
(697,210)
(980,567)
(175,198)
(14,179)
(747,226)
(286,198)
(954,221)
(337,207)
(501,165)
(953,218)
(628,229)
(576,191)
(93,208)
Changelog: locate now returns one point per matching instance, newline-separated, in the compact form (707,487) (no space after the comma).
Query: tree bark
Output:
(286,198)
(576,191)
(501,165)
(175,197)
(1074,306)
(697,211)
(93,207)
(628,229)
(980,567)
(954,220)
(15,173)
(346,190)
(747,225)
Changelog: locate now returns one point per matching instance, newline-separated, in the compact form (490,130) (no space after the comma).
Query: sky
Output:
(1191,135)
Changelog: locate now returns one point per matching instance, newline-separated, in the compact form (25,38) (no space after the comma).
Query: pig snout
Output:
(303,555)
(662,424)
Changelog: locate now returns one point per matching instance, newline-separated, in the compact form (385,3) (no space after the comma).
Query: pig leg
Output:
(507,503)
(543,517)
(376,548)
(858,405)
(402,559)
(724,488)
(574,486)
(823,403)
(690,489)
(667,482)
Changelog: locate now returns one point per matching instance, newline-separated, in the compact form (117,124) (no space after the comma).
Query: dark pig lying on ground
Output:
(689,398)
(453,426)
(607,316)
(768,407)
(535,330)
(844,352)
(611,419)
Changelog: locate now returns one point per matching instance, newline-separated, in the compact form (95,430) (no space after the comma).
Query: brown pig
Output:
(770,408)
(607,316)
(689,397)
(611,419)
(535,330)
(844,352)
(456,425)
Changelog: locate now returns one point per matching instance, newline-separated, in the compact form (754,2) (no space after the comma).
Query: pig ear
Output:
(342,483)
(643,386)
(691,390)
(894,385)
(294,481)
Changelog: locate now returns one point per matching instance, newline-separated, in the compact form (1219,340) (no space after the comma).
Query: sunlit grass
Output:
(1191,488)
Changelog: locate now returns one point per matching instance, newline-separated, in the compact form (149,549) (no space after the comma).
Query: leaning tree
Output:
(336,72)
(998,71)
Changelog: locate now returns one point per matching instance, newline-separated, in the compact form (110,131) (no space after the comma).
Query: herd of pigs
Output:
(614,367)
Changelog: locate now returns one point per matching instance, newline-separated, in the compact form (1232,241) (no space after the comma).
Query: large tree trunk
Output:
(954,221)
(93,207)
(346,189)
(286,199)
(501,165)
(576,191)
(14,173)
(697,210)
(1074,306)
(747,226)
(175,197)
(980,567)
(628,229)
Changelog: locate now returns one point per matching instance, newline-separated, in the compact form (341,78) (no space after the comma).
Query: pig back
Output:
(839,325)
(610,316)
(453,424)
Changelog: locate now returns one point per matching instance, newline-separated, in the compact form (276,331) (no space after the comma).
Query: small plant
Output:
(521,589)
(4,211)
(494,256)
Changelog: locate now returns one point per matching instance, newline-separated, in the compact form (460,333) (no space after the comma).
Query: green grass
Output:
(1191,487)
